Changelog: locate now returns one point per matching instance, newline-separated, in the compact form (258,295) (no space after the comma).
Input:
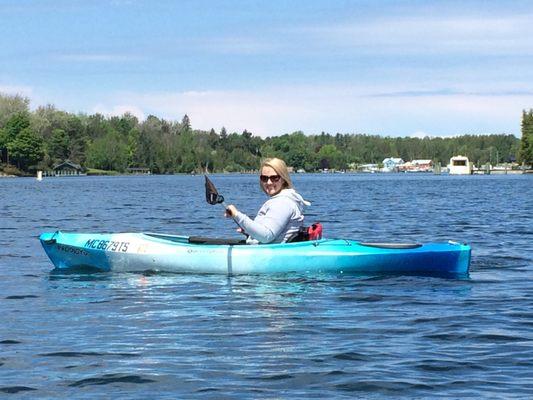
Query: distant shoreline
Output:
(498,173)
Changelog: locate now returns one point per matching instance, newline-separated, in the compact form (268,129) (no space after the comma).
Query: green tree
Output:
(96,126)
(44,120)
(109,152)
(223,133)
(124,124)
(329,156)
(58,145)
(526,144)
(14,126)
(26,149)
(186,123)
(78,139)
(11,105)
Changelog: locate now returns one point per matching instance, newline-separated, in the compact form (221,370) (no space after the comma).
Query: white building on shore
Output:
(417,166)
(460,165)
(391,164)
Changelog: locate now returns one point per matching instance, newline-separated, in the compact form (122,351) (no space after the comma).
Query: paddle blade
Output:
(211,193)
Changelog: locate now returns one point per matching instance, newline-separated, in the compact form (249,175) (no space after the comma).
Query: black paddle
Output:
(211,193)
(213,198)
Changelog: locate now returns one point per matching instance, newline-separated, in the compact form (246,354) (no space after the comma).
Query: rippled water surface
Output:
(142,336)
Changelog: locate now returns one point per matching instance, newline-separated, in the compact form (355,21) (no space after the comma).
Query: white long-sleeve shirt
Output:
(277,220)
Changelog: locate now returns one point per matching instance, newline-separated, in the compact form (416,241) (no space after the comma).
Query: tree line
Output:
(42,138)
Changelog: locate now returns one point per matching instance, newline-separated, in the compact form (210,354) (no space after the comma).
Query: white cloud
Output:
(97,58)
(240,45)
(119,110)
(331,109)
(14,89)
(430,34)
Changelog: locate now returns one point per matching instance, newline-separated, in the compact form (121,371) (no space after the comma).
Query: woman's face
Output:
(270,180)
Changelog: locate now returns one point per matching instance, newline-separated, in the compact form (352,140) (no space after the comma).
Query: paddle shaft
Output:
(213,198)
(225,208)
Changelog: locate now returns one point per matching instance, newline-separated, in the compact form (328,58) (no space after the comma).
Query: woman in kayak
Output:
(281,216)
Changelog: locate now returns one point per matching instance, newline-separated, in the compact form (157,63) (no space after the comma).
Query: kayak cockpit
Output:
(208,240)
(197,239)
(204,240)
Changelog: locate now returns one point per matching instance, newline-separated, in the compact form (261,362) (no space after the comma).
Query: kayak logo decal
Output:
(72,250)
(107,245)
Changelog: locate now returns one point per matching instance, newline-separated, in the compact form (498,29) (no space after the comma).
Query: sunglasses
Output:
(273,178)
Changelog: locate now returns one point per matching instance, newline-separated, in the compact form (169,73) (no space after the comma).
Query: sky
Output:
(391,68)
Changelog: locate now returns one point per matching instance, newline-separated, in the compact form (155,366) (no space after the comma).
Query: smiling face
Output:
(267,178)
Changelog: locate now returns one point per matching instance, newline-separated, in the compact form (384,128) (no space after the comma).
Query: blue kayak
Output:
(188,254)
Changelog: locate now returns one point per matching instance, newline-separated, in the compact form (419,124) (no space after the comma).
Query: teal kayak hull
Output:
(171,253)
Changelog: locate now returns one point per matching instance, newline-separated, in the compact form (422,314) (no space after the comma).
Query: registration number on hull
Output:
(107,245)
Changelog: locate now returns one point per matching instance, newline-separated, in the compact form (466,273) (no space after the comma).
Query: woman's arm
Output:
(270,221)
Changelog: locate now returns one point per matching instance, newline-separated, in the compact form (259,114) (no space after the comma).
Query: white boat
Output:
(460,165)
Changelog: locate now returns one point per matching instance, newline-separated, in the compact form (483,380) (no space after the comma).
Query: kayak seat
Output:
(306,233)
(392,245)
(298,237)
(208,240)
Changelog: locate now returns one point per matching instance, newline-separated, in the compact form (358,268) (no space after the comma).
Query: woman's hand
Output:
(231,211)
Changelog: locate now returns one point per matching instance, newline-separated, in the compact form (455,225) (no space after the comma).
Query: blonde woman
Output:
(281,216)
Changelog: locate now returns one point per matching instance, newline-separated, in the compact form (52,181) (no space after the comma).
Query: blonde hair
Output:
(278,165)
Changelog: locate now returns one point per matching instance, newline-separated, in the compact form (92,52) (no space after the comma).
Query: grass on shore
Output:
(94,171)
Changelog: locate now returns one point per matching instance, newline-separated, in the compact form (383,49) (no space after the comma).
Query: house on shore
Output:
(139,171)
(417,166)
(392,164)
(66,168)
(369,168)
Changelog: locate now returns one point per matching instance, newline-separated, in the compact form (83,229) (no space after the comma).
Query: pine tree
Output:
(58,145)
(186,123)
(526,144)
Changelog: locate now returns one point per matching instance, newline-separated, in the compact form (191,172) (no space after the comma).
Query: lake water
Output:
(170,336)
